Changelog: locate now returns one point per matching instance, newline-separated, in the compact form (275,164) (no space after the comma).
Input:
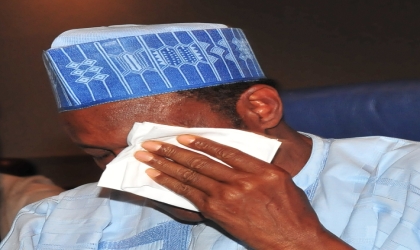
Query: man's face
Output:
(101,131)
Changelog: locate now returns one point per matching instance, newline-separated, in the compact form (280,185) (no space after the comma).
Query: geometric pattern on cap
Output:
(123,68)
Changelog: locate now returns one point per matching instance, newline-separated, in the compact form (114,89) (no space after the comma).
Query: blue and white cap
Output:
(106,64)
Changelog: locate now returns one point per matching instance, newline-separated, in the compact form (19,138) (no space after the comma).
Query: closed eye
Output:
(98,154)
(101,157)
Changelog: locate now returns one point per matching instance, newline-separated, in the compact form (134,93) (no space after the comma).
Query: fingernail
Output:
(186,139)
(151,145)
(143,156)
(152,172)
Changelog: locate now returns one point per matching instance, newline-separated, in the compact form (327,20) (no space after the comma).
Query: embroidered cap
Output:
(105,64)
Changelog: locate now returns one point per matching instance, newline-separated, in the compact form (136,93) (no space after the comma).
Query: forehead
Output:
(116,114)
(110,123)
(114,120)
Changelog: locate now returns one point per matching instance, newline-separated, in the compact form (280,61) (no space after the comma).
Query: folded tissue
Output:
(127,174)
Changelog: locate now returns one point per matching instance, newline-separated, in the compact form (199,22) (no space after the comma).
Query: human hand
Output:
(256,202)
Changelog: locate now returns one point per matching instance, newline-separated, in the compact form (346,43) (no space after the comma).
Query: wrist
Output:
(327,240)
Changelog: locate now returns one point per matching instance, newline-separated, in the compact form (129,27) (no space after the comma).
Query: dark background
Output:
(299,43)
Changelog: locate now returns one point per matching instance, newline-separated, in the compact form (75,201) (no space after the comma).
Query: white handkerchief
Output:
(127,174)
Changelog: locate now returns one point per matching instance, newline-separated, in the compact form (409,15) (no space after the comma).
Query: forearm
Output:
(324,240)
(320,239)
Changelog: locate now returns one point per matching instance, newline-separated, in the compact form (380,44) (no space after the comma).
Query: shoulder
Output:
(377,143)
(385,190)
(375,151)
(87,214)
(33,218)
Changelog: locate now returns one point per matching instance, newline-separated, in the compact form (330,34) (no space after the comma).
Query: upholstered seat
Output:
(388,109)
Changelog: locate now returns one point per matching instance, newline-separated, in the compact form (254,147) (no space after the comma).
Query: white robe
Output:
(364,190)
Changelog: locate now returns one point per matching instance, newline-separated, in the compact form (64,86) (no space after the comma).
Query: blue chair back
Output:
(387,109)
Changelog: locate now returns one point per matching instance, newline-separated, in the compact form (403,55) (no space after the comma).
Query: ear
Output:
(260,107)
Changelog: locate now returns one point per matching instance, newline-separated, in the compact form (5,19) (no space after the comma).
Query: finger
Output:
(231,156)
(182,174)
(194,195)
(191,160)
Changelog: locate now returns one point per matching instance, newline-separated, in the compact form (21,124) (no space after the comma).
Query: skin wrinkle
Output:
(198,163)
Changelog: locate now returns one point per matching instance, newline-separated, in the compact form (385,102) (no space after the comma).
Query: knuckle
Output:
(182,189)
(222,153)
(208,208)
(198,163)
(274,176)
(168,150)
(219,151)
(189,176)
(232,194)
(200,145)
(247,185)
(158,161)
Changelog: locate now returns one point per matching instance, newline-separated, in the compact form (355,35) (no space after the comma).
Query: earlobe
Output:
(260,107)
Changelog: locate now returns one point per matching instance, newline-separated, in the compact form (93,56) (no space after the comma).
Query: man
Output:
(316,193)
